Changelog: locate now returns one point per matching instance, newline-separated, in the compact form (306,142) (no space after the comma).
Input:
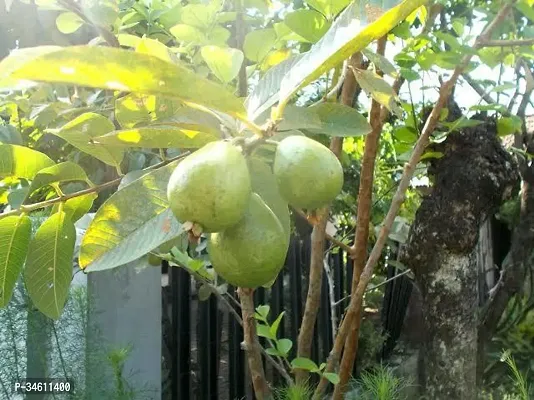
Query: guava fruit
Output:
(308,174)
(264,184)
(251,253)
(154,260)
(210,187)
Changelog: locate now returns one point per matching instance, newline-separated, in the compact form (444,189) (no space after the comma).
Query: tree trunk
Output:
(472,178)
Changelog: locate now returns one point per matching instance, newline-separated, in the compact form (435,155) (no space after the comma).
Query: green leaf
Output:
(263,331)
(458,24)
(204,293)
(272,351)
(16,197)
(332,377)
(258,43)
(15,234)
(101,12)
(68,22)
(48,271)
(10,135)
(379,89)
(77,207)
(340,120)
(329,8)
(219,36)
(276,324)
(21,162)
(225,63)
(132,222)
(508,125)
(504,87)
(304,363)
(134,109)
(63,172)
(199,15)
(263,311)
(182,136)
(80,131)
(381,62)
(125,70)
(462,122)
(489,107)
(188,34)
(309,24)
(267,90)
(405,134)
(353,30)
(284,346)
(155,48)
(526,9)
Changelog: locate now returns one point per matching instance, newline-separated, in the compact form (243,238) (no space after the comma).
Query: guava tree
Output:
(197,119)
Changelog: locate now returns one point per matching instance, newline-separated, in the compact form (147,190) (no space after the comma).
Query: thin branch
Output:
(508,43)
(94,189)
(252,347)
(479,89)
(332,239)
(355,305)
(333,303)
(365,194)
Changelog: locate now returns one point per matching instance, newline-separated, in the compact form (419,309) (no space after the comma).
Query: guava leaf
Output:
(329,8)
(21,162)
(284,346)
(340,120)
(120,69)
(15,234)
(379,89)
(132,222)
(258,43)
(309,24)
(357,26)
(332,377)
(134,109)
(77,207)
(63,172)
(381,62)
(199,15)
(182,136)
(267,91)
(188,33)
(85,127)
(155,48)
(68,22)
(225,63)
(48,271)
(304,363)
(10,135)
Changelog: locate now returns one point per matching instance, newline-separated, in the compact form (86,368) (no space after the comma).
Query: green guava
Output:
(308,174)
(251,253)
(210,187)
(154,260)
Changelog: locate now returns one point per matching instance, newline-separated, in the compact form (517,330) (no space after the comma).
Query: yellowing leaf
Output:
(155,48)
(353,30)
(82,129)
(21,162)
(309,24)
(117,235)
(223,62)
(68,22)
(274,58)
(15,234)
(119,69)
(188,33)
(379,90)
(48,271)
(258,44)
(161,136)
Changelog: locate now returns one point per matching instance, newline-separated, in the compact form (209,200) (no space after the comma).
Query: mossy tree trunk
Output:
(472,178)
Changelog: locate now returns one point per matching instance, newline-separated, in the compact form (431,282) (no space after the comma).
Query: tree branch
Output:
(94,189)
(363,218)
(313,299)
(255,364)
(355,305)
(509,43)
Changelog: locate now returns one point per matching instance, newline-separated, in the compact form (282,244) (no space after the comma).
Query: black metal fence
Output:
(206,359)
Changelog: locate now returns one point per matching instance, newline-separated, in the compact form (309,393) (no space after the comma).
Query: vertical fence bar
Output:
(236,357)
(181,343)
(207,348)
(295,281)
(277,306)
(339,282)
(325,321)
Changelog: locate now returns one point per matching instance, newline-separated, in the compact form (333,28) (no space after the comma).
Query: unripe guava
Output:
(210,187)
(308,174)
(251,253)
(154,260)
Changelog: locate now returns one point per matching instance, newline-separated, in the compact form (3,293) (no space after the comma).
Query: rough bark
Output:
(472,178)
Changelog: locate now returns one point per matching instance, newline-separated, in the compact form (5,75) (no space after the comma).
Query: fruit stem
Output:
(252,346)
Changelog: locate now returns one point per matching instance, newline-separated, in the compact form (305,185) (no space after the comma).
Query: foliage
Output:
(380,383)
